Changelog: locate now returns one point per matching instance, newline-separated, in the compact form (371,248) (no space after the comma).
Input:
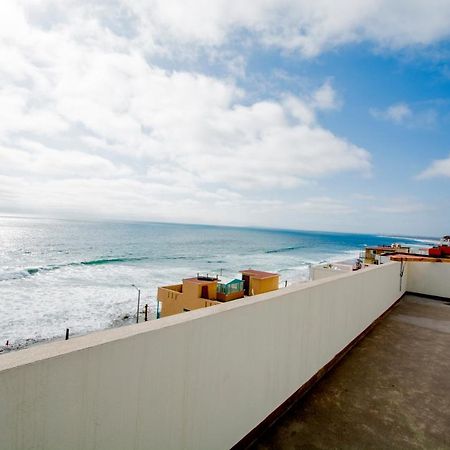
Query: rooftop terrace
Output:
(391,391)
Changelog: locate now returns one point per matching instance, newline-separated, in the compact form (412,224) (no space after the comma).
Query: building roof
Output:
(419,258)
(197,281)
(259,274)
(386,247)
(234,281)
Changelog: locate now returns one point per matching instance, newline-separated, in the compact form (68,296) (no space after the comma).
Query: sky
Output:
(317,115)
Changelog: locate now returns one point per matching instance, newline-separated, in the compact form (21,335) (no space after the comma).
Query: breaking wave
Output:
(18,274)
(98,262)
(182,257)
(427,241)
(285,249)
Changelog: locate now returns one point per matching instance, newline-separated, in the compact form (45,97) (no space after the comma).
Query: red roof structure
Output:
(258,274)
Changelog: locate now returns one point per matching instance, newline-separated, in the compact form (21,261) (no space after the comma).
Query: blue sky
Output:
(296,114)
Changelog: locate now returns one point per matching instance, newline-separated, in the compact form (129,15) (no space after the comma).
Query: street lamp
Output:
(138,302)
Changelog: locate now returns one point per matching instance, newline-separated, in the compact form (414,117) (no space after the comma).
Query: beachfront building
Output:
(257,282)
(205,291)
(374,255)
(230,291)
(442,249)
(192,293)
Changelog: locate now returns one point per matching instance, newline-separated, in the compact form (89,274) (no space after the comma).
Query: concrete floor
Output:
(392,391)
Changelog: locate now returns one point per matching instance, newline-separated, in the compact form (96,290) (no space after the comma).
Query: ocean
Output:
(58,274)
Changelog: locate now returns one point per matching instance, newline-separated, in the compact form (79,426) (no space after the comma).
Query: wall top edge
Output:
(40,352)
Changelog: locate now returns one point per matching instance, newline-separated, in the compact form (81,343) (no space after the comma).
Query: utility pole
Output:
(138,302)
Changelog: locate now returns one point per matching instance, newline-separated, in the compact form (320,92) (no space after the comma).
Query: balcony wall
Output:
(429,278)
(199,380)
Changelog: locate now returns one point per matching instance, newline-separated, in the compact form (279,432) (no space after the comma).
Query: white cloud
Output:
(133,199)
(303,25)
(325,97)
(323,205)
(34,159)
(363,197)
(438,168)
(397,113)
(300,25)
(400,206)
(403,114)
(92,106)
(91,123)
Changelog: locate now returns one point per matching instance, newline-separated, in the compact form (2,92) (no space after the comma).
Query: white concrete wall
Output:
(429,278)
(200,380)
(324,271)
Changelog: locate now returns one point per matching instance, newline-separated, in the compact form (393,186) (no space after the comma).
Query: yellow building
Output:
(193,293)
(204,291)
(257,282)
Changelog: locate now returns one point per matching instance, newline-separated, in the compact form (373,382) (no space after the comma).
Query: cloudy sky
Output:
(296,114)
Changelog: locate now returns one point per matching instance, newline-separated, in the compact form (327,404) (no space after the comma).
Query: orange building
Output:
(204,291)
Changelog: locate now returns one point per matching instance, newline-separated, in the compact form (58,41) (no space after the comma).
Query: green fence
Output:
(231,287)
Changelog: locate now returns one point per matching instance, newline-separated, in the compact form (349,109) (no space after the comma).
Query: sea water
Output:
(58,274)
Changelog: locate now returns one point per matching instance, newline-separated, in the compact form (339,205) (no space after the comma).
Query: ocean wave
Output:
(23,273)
(27,272)
(344,256)
(414,239)
(6,276)
(299,268)
(181,257)
(98,262)
(284,249)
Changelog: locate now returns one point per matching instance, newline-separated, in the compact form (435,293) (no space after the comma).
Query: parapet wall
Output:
(200,380)
(429,278)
